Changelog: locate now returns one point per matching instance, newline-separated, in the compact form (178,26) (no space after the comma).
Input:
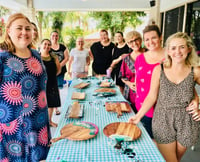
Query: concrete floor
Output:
(190,155)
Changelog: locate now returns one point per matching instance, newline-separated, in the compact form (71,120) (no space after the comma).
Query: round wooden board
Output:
(125,130)
(79,131)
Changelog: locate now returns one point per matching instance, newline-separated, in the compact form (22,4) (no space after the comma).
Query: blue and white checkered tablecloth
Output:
(89,91)
(99,148)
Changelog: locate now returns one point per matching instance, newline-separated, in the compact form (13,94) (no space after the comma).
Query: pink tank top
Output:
(143,81)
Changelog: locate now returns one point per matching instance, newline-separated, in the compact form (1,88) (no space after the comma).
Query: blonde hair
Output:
(7,44)
(192,58)
(132,34)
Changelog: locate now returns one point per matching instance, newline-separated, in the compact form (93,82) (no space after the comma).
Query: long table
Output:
(99,148)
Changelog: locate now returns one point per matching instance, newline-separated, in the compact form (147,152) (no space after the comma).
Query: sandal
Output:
(57,112)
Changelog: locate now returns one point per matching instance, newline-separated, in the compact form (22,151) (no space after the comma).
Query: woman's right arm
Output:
(91,55)
(151,98)
(117,60)
(71,58)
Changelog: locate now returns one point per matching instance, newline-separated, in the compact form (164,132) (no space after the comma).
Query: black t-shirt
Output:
(102,57)
(118,52)
(60,53)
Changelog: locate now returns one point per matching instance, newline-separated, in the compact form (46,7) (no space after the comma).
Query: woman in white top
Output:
(79,60)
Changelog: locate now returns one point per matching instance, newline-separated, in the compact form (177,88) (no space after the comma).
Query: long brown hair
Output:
(7,44)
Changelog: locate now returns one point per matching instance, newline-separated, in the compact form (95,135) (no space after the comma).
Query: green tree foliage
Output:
(54,20)
(73,24)
(39,17)
(57,25)
(3,11)
(117,21)
(72,35)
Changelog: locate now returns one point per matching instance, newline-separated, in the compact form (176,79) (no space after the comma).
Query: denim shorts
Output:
(147,123)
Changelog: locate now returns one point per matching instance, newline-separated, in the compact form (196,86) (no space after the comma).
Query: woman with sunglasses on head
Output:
(144,65)
(127,71)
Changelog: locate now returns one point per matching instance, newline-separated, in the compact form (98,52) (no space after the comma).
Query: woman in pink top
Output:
(144,65)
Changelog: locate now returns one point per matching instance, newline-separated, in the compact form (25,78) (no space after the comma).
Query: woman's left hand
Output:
(132,86)
(196,116)
(193,108)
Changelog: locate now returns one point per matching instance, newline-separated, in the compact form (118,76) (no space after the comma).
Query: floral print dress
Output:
(24,124)
(127,71)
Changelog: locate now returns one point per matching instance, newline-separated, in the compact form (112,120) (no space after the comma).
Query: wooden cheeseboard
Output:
(122,130)
(118,107)
(105,90)
(81,85)
(75,110)
(105,84)
(77,131)
(78,96)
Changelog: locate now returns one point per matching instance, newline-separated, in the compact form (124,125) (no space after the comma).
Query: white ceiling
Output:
(79,5)
(91,5)
(87,5)
(15,5)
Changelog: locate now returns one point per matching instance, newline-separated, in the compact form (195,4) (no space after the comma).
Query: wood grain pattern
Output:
(105,90)
(113,106)
(118,111)
(75,110)
(118,107)
(74,132)
(105,84)
(78,96)
(122,128)
(81,85)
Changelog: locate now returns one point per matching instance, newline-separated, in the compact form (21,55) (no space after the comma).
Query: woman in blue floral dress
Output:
(24,123)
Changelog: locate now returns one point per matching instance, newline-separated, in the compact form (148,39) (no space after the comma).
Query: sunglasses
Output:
(134,40)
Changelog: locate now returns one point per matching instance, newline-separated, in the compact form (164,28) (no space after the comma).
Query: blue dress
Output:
(24,123)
